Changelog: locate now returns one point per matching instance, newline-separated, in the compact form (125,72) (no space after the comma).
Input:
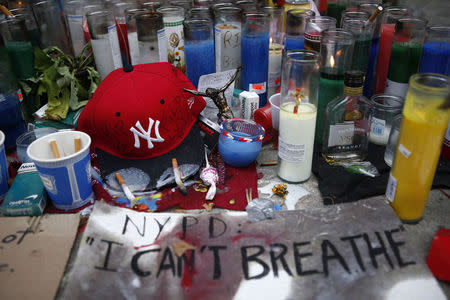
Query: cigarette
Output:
(77,144)
(269,163)
(375,14)
(177,174)
(55,149)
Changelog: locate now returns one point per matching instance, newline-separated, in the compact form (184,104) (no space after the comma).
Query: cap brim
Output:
(189,152)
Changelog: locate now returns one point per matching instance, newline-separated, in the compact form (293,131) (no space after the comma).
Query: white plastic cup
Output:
(67,179)
(275,110)
(3,168)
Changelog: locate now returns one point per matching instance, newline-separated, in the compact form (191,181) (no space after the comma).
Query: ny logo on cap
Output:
(146,134)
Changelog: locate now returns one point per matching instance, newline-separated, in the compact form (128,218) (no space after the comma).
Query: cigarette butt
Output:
(6,11)
(174,163)
(120,179)
(55,149)
(375,13)
(269,163)
(77,144)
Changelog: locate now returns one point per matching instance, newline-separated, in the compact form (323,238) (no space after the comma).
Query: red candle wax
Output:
(123,40)
(384,55)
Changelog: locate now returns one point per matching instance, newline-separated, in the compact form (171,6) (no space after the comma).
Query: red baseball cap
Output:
(142,118)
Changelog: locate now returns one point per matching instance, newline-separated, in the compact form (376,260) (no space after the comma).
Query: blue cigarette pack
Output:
(27,196)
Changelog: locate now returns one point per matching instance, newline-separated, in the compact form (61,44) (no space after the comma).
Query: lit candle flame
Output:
(332,61)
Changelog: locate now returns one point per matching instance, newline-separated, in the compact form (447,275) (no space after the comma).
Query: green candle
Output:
(330,86)
(361,52)
(21,54)
(405,58)
(34,36)
(334,10)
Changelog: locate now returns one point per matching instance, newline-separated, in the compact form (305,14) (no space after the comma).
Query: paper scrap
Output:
(180,247)
(295,193)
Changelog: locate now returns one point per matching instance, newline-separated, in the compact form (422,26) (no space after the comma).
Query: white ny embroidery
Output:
(191,102)
(146,134)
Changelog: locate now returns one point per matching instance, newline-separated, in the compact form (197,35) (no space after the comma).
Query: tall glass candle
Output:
(121,24)
(390,16)
(295,28)
(227,35)
(335,8)
(336,53)
(405,54)
(199,47)
(369,81)
(362,32)
(30,22)
(313,31)
(73,11)
(173,18)
(151,38)
(255,55)
(276,33)
(425,119)
(87,9)
(18,44)
(201,12)
(298,111)
(353,14)
(51,25)
(105,43)
(130,18)
(436,51)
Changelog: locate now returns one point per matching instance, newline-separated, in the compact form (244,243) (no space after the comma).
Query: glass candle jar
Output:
(130,19)
(425,118)
(298,111)
(336,54)
(199,48)
(51,25)
(393,140)
(295,28)
(405,54)
(105,43)
(240,141)
(201,12)
(151,39)
(363,33)
(385,109)
(313,31)
(436,50)
(73,11)
(173,18)
(353,14)
(255,55)
(227,35)
(30,22)
(276,37)
(390,17)
(121,25)
(335,8)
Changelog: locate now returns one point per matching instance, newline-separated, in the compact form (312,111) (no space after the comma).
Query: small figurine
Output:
(218,97)
(210,177)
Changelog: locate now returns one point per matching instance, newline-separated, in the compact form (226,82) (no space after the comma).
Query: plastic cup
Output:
(67,179)
(24,140)
(3,168)
(275,110)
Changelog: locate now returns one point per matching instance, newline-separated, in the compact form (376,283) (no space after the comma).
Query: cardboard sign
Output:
(34,254)
(355,250)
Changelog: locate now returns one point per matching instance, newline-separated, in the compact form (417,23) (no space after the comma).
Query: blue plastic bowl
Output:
(240,141)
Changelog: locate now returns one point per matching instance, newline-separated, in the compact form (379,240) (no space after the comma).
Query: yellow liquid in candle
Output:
(422,132)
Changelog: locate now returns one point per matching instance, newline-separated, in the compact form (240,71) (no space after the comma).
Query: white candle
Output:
(275,55)
(148,52)
(107,52)
(75,23)
(227,46)
(173,28)
(134,48)
(296,141)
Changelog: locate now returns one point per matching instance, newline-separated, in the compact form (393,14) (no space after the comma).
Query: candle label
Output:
(391,188)
(341,135)
(115,49)
(291,152)
(227,46)
(402,149)
(396,88)
(175,44)
(162,44)
(259,88)
(378,126)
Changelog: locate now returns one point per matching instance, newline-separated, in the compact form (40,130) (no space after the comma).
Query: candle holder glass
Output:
(151,5)
(385,109)
(255,55)
(335,8)
(436,50)
(295,28)
(201,12)
(298,110)
(353,14)
(73,11)
(363,34)
(405,54)
(240,141)
(150,33)
(199,48)
(296,4)
(130,19)
(30,23)
(336,53)
(313,31)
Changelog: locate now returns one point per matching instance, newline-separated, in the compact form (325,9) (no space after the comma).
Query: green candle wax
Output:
(335,10)
(34,36)
(328,90)
(22,58)
(361,53)
(405,58)
(7,77)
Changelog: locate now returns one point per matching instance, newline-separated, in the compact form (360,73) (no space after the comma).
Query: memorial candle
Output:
(295,28)
(313,31)
(436,51)
(335,8)
(363,32)
(199,48)
(298,111)
(151,38)
(73,11)
(122,35)
(130,17)
(255,55)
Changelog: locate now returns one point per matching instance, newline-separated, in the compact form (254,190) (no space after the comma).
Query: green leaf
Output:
(58,109)
(42,61)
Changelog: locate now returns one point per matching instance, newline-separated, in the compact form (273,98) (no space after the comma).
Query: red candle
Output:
(122,34)
(384,55)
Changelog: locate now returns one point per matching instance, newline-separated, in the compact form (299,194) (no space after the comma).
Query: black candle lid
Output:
(354,78)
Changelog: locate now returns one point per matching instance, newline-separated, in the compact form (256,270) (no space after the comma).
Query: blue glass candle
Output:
(436,51)
(295,28)
(255,55)
(370,75)
(199,49)
(294,43)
